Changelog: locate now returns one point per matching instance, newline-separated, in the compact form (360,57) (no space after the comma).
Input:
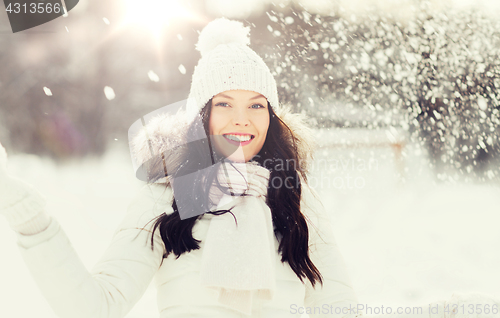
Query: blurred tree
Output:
(458,77)
(435,75)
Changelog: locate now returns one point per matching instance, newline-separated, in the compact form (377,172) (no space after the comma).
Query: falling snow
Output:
(109,92)
(153,76)
(182,69)
(47,91)
(436,76)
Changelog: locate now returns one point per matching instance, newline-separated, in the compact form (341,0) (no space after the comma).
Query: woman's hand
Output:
(12,190)
(20,203)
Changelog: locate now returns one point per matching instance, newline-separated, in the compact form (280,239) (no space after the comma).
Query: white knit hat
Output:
(228,63)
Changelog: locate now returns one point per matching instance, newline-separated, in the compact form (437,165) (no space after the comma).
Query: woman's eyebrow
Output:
(229,97)
(258,96)
(223,95)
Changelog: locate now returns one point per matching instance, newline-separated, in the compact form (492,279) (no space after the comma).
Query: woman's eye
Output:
(221,104)
(260,106)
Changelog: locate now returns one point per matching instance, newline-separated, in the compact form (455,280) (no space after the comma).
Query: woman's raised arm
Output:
(117,281)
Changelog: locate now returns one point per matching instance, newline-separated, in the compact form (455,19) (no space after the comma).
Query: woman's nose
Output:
(241,118)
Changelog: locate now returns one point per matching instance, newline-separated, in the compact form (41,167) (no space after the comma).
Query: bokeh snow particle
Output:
(289,20)
(47,91)
(481,101)
(105,20)
(153,76)
(179,37)
(182,69)
(272,17)
(109,92)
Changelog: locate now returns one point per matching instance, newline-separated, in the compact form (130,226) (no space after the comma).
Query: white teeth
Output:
(238,138)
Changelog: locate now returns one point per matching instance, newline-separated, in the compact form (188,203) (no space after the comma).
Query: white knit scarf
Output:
(239,259)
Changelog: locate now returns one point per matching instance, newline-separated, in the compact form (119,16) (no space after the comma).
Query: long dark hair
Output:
(290,227)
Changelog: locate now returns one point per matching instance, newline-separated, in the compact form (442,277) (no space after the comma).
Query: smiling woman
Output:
(242,118)
(241,236)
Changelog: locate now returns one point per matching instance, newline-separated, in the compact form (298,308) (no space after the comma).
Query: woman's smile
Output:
(239,139)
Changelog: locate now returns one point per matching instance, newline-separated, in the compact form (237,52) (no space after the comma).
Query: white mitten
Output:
(20,203)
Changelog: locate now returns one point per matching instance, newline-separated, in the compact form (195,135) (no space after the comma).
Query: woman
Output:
(259,251)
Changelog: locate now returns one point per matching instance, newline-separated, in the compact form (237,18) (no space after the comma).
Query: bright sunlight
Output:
(154,15)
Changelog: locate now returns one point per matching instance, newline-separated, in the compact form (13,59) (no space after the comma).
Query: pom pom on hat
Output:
(222,31)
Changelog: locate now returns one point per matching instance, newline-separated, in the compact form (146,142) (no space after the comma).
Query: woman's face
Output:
(239,115)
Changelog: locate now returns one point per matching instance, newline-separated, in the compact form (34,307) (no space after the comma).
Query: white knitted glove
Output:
(20,203)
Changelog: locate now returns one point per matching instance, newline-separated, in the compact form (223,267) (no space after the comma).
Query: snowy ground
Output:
(406,241)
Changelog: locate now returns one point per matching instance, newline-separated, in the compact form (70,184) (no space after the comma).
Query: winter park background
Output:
(403,96)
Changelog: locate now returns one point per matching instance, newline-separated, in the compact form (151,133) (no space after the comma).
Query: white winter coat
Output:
(122,275)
